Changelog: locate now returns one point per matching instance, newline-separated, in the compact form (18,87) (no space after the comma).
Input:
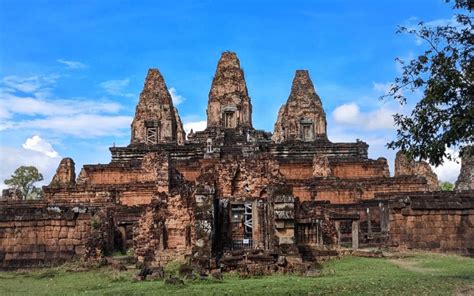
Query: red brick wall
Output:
(297,171)
(352,191)
(358,170)
(41,235)
(447,226)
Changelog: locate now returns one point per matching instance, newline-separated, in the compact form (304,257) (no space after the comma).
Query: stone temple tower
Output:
(229,103)
(156,120)
(302,118)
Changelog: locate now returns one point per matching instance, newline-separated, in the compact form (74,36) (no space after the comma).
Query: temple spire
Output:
(156,119)
(229,103)
(302,117)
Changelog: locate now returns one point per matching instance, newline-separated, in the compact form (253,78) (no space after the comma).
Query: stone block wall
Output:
(40,234)
(128,194)
(436,221)
(154,167)
(360,169)
(344,191)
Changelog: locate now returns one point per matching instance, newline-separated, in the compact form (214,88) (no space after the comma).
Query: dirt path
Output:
(465,291)
(412,266)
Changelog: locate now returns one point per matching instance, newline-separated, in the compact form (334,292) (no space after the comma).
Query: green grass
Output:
(415,274)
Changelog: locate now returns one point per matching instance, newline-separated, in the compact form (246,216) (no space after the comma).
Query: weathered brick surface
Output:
(436,221)
(404,166)
(65,174)
(42,234)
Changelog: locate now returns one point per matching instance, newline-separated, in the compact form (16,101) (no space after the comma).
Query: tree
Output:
(446,186)
(444,117)
(23,179)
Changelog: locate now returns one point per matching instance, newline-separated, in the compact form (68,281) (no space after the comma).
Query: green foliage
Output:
(96,223)
(444,117)
(416,274)
(446,186)
(172,268)
(23,180)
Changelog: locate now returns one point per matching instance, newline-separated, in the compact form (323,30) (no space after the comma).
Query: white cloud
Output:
(350,114)
(29,84)
(449,170)
(12,157)
(36,143)
(177,98)
(195,126)
(11,104)
(347,113)
(117,87)
(78,117)
(72,64)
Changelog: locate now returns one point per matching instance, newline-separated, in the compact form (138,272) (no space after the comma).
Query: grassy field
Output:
(412,274)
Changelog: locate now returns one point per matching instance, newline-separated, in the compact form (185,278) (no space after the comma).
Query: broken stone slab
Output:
(368,253)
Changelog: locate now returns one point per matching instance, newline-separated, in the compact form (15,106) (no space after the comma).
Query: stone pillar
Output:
(204,226)
(369,224)
(355,234)
(337,224)
(384,222)
(256,225)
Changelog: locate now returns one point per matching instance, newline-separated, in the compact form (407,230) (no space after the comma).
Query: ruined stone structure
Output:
(465,180)
(232,196)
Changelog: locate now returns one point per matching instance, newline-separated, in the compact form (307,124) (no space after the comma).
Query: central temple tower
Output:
(229,103)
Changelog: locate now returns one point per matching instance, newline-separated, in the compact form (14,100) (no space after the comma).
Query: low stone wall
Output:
(41,234)
(438,221)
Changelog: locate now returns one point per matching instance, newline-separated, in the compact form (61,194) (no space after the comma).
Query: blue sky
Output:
(71,71)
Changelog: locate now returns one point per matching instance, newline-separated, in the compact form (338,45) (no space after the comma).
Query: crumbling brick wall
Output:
(164,232)
(41,234)
(405,166)
(433,221)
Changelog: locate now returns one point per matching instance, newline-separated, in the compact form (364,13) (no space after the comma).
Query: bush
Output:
(172,268)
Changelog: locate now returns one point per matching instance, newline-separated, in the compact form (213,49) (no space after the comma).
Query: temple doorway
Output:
(241,226)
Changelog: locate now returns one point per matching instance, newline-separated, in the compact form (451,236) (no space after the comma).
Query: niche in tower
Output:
(152,128)
(306,129)
(230,116)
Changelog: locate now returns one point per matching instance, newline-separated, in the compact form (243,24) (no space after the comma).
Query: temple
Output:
(231,195)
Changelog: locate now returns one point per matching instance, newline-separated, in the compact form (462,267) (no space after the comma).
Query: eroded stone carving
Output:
(321,166)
